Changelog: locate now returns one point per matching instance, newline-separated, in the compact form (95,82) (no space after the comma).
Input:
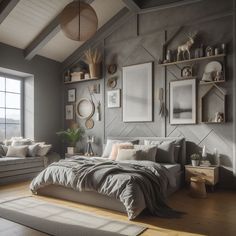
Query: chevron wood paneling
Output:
(139,41)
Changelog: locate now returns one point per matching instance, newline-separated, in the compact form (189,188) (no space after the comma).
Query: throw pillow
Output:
(147,152)
(44,149)
(152,142)
(21,142)
(2,152)
(127,154)
(18,151)
(165,152)
(33,150)
(118,146)
(108,148)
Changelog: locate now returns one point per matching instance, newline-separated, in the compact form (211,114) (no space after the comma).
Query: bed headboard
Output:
(180,140)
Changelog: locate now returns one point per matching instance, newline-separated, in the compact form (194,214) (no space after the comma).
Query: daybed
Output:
(14,169)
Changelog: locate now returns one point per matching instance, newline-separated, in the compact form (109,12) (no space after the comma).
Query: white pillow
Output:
(44,149)
(21,142)
(17,151)
(127,154)
(108,148)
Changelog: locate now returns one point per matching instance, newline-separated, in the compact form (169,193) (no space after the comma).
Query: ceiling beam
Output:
(132,6)
(45,36)
(170,5)
(6,6)
(112,25)
(42,39)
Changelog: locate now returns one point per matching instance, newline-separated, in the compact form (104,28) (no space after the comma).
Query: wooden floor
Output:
(215,215)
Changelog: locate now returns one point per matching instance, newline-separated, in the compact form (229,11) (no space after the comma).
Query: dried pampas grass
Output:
(92,56)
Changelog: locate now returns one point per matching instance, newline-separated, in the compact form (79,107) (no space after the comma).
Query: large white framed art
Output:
(138,93)
(183,102)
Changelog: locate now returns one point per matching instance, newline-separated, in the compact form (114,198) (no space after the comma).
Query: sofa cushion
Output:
(33,150)
(17,151)
(43,149)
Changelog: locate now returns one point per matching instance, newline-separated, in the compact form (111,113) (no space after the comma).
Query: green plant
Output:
(71,136)
(195,156)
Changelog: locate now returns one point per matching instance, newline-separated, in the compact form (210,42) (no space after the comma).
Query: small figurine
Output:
(209,51)
(187,46)
(219,117)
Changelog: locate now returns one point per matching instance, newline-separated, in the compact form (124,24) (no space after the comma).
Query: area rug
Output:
(54,219)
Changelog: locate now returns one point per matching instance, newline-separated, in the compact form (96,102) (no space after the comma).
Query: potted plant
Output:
(71,137)
(93,59)
(195,159)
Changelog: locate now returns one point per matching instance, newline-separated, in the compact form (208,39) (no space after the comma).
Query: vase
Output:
(94,70)
(195,162)
(71,150)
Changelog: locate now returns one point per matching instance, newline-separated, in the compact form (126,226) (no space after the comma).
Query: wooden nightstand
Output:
(210,174)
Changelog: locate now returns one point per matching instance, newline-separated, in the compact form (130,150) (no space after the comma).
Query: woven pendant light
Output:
(78,21)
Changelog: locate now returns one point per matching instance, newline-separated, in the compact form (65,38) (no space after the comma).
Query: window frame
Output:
(14,77)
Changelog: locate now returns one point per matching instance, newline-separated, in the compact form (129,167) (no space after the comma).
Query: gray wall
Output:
(47,91)
(141,41)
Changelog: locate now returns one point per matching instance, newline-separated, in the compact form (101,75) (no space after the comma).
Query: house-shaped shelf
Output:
(213,103)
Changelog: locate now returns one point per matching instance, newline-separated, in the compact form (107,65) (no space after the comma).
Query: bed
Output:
(100,200)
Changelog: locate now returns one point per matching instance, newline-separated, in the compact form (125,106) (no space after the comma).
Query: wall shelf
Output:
(213,102)
(193,60)
(82,80)
(212,82)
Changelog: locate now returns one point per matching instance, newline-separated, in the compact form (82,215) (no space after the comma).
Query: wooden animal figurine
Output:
(187,46)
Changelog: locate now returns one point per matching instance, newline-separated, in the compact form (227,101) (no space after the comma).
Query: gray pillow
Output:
(108,148)
(147,152)
(127,154)
(165,152)
(43,150)
(33,150)
(17,151)
(3,150)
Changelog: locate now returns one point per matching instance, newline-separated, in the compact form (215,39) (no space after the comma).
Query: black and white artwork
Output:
(183,102)
(69,112)
(113,98)
(137,93)
(71,95)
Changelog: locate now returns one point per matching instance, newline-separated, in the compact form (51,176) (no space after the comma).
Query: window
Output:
(11,110)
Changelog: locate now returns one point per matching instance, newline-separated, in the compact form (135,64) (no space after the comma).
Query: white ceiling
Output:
(30,17)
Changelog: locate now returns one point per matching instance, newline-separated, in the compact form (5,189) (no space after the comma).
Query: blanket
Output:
(138,185)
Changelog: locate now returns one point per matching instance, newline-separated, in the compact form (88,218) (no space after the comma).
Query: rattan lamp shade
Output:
(78,21)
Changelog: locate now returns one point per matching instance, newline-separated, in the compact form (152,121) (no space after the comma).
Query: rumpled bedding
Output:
(138,185)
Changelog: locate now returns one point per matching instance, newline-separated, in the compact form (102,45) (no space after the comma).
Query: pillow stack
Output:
(167,151)
(20,147)
(163,151)
(121,150)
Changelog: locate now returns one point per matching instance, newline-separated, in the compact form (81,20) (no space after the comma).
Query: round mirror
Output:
(84,108)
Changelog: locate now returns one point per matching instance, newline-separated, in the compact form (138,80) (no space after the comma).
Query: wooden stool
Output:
(197,187)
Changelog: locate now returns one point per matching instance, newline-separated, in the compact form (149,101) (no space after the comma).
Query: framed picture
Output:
(69,112)
(138,93)
(113,98)
(71,95)
(187,72)
(183,102)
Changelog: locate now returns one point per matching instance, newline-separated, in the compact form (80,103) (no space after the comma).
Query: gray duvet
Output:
(137,184)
